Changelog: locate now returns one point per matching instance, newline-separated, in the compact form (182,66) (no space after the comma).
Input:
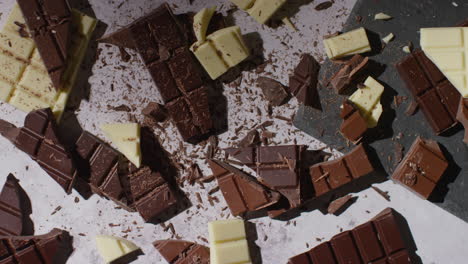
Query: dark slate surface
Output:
(409,17)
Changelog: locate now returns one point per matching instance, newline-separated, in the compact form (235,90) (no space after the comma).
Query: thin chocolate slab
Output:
(14,208)
(49,23)
(303,82)
(183,252)
(54,247)
(354,125)
(462,116)
(241,191)
(378,241)
(39,139)
(350,74)
(422,168)
(273,90)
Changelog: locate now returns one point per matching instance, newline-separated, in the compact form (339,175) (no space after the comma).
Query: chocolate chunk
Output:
(378,241)
(14,207)
(39,139)
(179,251)
(251,139)
(350,74)
(120,38)
(50,25)
(435,95)
(382,193)
(303,82)
(339,203)
(273,90)
(354,125)
(462,116)
(324,5)
(241,191)
(54,247)
(422,168)
(195,174)
(155,111)
(330,175)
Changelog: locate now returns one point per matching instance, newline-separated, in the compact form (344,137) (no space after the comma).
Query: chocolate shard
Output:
(54,247)
(120,38)
(251,139)
(378,241)
(49,23)
(462,116)
(241,191)
(155,111)
(422,168)
(303,83)
(354,126)
(179,251)
(273,90)
(351,73)
(338,204)
(330,175)
(15,207)
(435,95)
(39,139)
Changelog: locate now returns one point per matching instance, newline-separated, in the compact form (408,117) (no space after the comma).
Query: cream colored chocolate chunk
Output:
(447,48)
(228,243)
(260,10)
(126,137)
(367,99)
(112,248)
(346,44)
(201,21)
(24,80)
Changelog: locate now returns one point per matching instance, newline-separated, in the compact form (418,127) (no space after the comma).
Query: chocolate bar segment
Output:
(303,82)
(349,74)
(462,116)
(13,202)
(241,191)
(182,252)
(422,168)
(49,23)
(435,95)
(354,125)
(378,241)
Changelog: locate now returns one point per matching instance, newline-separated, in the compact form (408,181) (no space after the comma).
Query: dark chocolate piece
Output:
(155,111)
(241,191)
(330,175)
(462,116)
(435,95)
(120,38)
(49,23)
(54,247)
(251,139)
(13,211)
(378,241)
(338,204)
(273,90)
(303,83)
(39,139)
(349,74)
(324,5)
(354,125)
(422,168)
(182,252)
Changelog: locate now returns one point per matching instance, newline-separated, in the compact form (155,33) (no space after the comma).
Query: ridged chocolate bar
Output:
(182,252)
(12,211)
(303,83)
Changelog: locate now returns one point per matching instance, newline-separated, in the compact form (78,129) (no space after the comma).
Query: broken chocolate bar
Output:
(462,116)
(354,125)
(350,74)
(303,82)
(273,90)
(155,111)
(14,206)
(179,251)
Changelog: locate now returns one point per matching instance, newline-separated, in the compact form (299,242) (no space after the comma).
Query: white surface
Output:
(440,237)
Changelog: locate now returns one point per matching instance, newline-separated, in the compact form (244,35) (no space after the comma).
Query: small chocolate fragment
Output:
(251,139)
(155,111)
(350,74)
(39,139)
(13,203)
(120,38)
(273,90)
(303,83)
(422,168)
(382,193)
(194,174)
(462,116)
(324,5)
(354,125)
(241,191)
(337,204)
(179,251)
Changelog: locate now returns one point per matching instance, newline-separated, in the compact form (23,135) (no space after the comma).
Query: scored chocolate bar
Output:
(179,251)
(350,74)
(303,82)
(354,125)
(13,202)
(49,23)
(378,241)
(39,139)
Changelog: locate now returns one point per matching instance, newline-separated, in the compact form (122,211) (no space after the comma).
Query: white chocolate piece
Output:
(406,49)
(111,248)
(382,16)
(201,21)
(126,137)
(388,38)
(289,23)
(25,83)
(228,244)
(367,100)
(260,10)
(346,44)
(447,48)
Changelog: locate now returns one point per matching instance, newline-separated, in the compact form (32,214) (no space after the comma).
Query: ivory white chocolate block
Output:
(112,248)
(367,100)
(228,243)
(201,21)
(263,10)
(24,80)
(447,48)
(346,44)
(126,137)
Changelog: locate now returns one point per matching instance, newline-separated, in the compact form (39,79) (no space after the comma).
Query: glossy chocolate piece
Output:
(422,168)
(350,74)
(354,126)
(303,83)
(13,208)
(182,252)
(462,116)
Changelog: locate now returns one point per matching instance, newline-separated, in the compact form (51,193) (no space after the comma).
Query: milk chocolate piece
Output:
(378,241)
(54,247)
(435,95)
(155,111)
(338,204)
(462,116)
(330,175)
(14,206)
(182,252)
(350,74)
(120,38)
(354,125)
(422,168)
(241,191)
(49,23)
(273,90)
(303,82)
(39,139)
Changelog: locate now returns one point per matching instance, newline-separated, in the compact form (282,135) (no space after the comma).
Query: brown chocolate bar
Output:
(182,252)
(330,175)
(422,168)
(273,90)
(462,116)
(39,139)
(241,191)
(354,126)
(349,74)
(435,95)
(13,211)
(54,247)
(303,82)
(49,23)
(378,241)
